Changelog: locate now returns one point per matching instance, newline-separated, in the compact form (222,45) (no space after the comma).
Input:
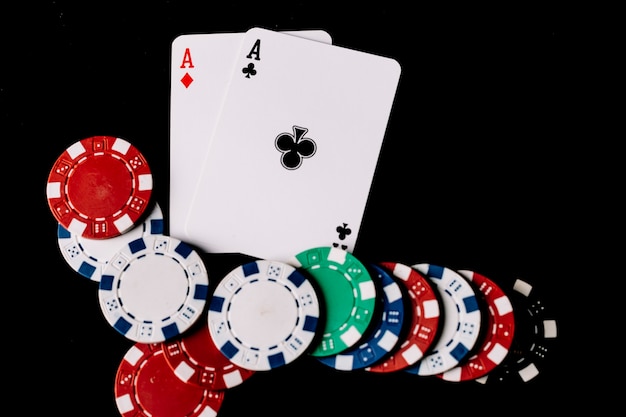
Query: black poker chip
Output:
(536,336)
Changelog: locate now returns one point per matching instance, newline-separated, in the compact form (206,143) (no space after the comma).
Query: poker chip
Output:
(195,359)
(88,257)
(462,321)
(423,319)
(349,295)
(99,187)
(153,289)
(384,330)
(536,334)
(146,386)
(263,315)
(495,345)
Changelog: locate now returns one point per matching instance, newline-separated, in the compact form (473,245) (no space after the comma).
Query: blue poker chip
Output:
(383,335)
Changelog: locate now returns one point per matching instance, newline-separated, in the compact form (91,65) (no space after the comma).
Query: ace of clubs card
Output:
(201,65)
(293,154)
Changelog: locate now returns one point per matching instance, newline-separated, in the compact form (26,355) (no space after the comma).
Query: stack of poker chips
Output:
(326,304)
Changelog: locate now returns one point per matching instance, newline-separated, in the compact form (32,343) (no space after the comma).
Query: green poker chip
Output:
(349,295)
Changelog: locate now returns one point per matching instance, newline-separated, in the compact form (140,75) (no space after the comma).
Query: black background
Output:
(480,169)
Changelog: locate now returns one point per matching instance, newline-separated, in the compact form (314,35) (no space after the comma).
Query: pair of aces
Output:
(274,140)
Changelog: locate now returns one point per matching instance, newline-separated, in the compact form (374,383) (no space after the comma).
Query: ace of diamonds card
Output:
(293,153)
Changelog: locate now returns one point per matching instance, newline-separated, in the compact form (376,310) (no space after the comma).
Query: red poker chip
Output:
(99,187)
(194,358)
(423,320)
(146,386)
(497,341)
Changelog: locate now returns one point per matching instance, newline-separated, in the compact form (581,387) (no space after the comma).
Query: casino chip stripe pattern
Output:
(99,187)
(195,359)
(153,289)
(145,386)
(383,334)
(89,257)
(462,321)
(263,315)
(195,345)
(424,311)
(495,344)
(536,335)
(349,295)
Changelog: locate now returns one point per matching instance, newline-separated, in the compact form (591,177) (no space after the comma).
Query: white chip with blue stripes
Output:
(462,321)
(264,315)
(153,289)
(89,256)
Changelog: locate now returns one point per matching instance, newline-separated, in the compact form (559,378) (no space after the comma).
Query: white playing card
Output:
(201,66)
(295,148)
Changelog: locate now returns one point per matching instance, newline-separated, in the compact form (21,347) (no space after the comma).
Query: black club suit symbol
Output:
(294,147)
(249,70)
(343,231)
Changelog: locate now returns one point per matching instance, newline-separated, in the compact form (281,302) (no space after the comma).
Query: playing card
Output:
(295,148)
(201,65)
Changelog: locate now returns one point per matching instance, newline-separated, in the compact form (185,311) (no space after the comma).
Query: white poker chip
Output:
(462,321)
(500,330)
(153,289)
(263,315)
(89,256)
